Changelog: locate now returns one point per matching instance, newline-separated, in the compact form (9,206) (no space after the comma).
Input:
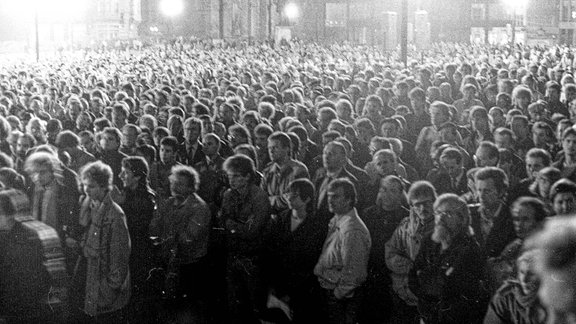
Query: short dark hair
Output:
(420,189)
(281,137)
(241,164)
(170,141)
(348,188)
(496,174)
(67,139)
(189,173)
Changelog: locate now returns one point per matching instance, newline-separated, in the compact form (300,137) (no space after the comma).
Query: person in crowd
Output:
(491,221)
(563,197)
(450,177)
(31,263)
(160,170)
(382,219)
(517,300)
(110,140)
(182,224)
(439,114)
(245,214)
(298,236)
(212,176)
(191,152)
(342,266)
(105,247)
(403,246)
(69,142)
(281,172)
(130,133)
(138,201)
(448,270)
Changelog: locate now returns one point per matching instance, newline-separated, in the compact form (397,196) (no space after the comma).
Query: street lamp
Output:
(171,8)
(291,11)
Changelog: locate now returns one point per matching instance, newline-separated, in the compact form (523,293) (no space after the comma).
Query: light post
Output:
(292,12)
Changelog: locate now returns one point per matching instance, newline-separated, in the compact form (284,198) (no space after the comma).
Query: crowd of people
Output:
(201,183)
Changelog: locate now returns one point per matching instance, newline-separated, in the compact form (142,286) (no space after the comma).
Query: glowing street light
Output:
(515,7)
(171,8)
(291,11)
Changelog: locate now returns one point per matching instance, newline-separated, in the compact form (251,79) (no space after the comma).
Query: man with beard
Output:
(403,246)
(448,270)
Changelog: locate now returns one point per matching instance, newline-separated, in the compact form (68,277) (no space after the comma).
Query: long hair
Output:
(139,168)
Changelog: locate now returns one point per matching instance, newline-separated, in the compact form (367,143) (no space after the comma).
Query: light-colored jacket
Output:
(106,246)
(343,264)
(401,251)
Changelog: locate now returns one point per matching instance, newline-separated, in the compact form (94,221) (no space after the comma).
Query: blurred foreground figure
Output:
(556,265)
(32,267)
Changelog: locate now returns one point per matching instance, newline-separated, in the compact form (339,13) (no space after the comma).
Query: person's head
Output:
(417,99)
(451,160)
(536,160)
(544,181)
(130,133)
(385,162)
(563,197)
(134,172)
(569,142)
(341,196)
(522,97)
(279,147)
(211,144)
(110,139)
(537,111)
(439,113)
(390,127)
(261,134)
(325,116)
(366,130)
(42,168)
(344,109)
(421,197)
(553,91)
(491,184)
(526,273)
(184,181)
(12,203)
(334,156)
(504,101)
(168,150)
(555,264)
(451,218)
(300,195)
(192,130)
(120,114)
(96,178)
(498,117)
(520,126)
(67,140)
(542,134)
(240,170)
(479,119)
(391,193)
(487,155)
(527,214)
(238,135)
(504,138)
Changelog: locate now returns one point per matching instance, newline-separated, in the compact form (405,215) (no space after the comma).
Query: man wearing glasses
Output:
(447,273)
(403,246)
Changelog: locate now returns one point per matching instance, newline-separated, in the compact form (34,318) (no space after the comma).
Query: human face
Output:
(337,202)
(423,207)
(446,224)
(529,281)
(41,175)
(389,130)
(451,166)
(93,190)
(237,180)
(179,186)
(210,146)
(108,142)
(385,164)
(371,108)
(533,166)
(437,116)
(277,152)
(544,185)
(226,113)
(192,132)
(564,203)
(498,119)
(128,178)
(129,137)
(482,158)
(480,124)
(167,154)
(487,193)
(519,128)
(569,145)
(333,157)
(261,141)
(540,137)
(22,146)
(524,219)
(364,135)
(390,195)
